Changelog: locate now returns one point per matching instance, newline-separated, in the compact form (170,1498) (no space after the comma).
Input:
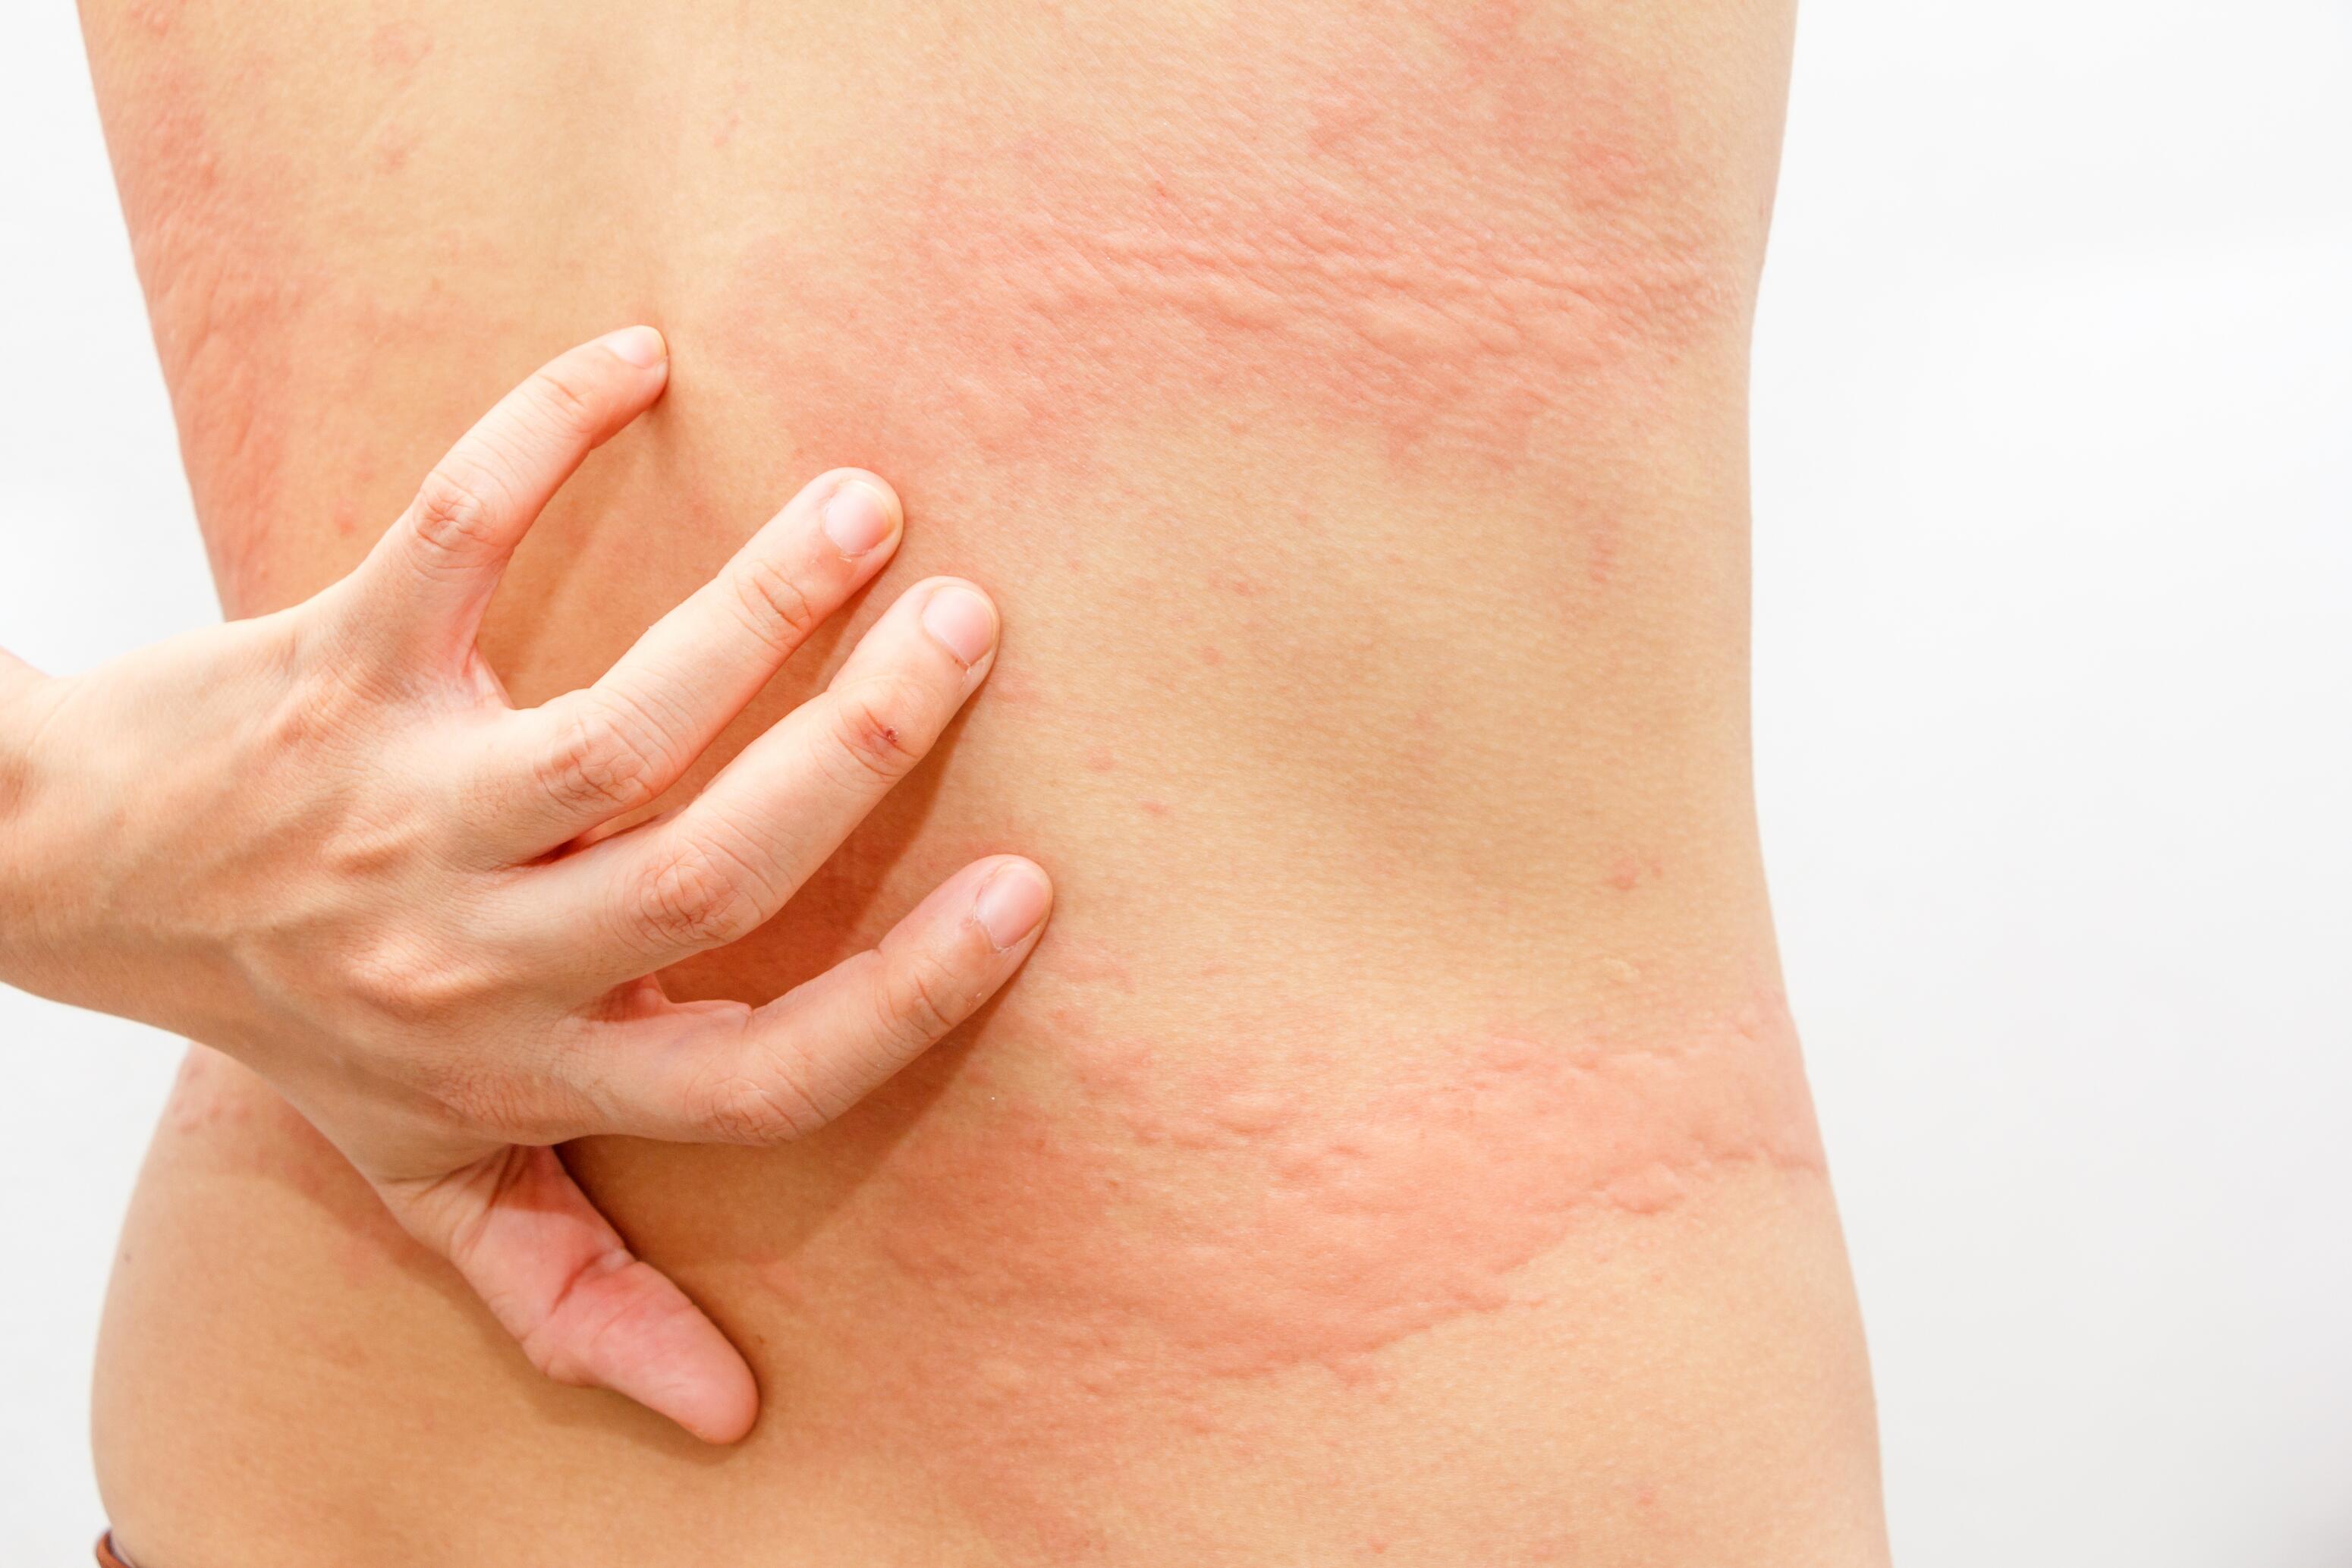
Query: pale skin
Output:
(325,843)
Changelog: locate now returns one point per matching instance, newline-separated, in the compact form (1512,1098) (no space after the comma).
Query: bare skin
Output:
(323,841)
(1398,1150)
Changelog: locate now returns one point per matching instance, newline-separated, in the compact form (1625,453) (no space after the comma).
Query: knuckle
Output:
(451,516)
(596,764)
(325,700)
(773,604)
(877,727)
(564,405)
(771,1107)
(411,981)
(694,897)
(374,840)
(922,1001)
(552,1357)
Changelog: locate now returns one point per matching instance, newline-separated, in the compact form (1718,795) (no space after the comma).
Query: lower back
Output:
(1397,1151)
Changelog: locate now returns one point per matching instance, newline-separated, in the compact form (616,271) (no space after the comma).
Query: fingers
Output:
(433,574)
(591,754)
(724,864)
(707,1074)
(586,1310)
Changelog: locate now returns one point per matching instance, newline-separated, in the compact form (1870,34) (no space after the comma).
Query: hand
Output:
(324,843)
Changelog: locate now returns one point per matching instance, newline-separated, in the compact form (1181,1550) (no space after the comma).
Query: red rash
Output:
(206,233)
(1342,1222)
(1061,1277)
(1446,241)
(1478,240)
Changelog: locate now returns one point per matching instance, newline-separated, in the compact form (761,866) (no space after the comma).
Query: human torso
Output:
(1396,1152)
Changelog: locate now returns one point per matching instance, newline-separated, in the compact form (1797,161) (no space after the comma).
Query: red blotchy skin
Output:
(1479,242)
(1441,234)
(1067,1283)
(219,309)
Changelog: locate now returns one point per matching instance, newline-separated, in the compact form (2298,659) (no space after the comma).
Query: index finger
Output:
(432,575)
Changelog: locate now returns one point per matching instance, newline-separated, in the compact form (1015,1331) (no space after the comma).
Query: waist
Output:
(1114,1249)
(1410,1001)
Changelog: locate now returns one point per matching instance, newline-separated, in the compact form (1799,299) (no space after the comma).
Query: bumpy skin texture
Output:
(322,841)
(1397,1152)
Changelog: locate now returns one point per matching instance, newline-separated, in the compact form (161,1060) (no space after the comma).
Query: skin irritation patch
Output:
(1321,1223)
(1466,241)
(1445,235)
(222,300)
(1469,238)
(1065,1279)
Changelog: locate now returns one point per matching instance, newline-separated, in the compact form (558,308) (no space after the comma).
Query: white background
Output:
(2054,708)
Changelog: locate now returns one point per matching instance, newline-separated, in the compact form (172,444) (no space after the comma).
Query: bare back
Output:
(1398,1150)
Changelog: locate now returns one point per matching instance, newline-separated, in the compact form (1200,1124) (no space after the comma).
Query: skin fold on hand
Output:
(325,843)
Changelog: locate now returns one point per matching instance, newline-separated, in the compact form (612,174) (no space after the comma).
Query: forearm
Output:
(85,810)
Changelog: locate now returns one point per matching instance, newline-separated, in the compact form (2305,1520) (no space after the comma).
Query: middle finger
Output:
(721,866)
(589,756)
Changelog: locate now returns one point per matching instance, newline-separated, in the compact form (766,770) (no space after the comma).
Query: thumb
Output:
(585,1309)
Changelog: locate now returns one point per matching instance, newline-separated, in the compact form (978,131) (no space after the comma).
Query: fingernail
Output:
(639,346)
(1011,903)
(961,623)
(856,519)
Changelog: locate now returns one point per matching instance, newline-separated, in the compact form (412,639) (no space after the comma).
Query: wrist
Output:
(23,781)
